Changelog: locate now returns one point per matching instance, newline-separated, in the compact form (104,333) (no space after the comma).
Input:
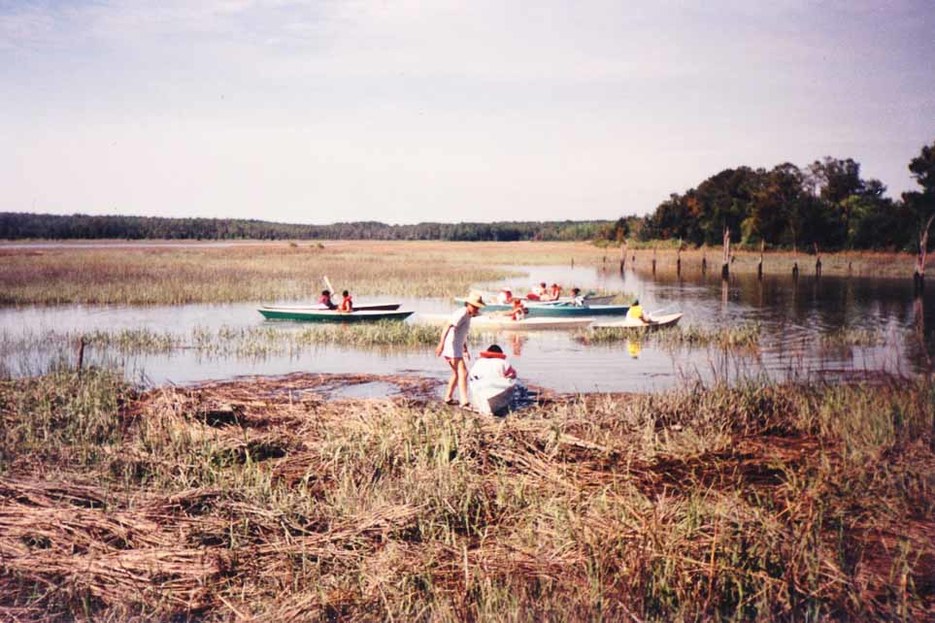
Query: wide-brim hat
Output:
(475,299)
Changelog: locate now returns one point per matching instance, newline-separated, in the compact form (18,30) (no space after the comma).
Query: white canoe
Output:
(492,399)
(505,323)
(655,322)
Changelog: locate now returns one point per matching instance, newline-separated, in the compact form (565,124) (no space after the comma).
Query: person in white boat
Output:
(636,313)
(491,366)
(492,381)
(519,311)
(453,345)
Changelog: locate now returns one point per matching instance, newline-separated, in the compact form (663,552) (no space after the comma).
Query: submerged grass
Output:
(266,499)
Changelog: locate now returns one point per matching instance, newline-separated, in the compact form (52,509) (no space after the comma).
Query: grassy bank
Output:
(272,498)
(136,274)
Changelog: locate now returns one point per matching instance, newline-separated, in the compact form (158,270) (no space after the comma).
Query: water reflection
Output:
(799,323)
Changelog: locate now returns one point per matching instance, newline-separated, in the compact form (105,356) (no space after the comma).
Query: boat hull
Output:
(656,322)
(528,324)
(325,315)
(573,311)
(492,399)
(588,300)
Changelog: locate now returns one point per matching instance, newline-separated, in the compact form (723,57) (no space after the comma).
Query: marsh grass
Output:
(264,498)
(743,337)
(181,273)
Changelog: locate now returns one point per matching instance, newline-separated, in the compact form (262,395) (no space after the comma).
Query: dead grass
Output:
(276,499)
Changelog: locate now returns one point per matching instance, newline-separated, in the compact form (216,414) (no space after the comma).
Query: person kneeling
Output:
(492,381)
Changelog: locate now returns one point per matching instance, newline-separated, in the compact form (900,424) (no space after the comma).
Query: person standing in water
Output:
(453,346)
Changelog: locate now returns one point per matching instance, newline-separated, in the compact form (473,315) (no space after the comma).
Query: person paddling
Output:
(325,300)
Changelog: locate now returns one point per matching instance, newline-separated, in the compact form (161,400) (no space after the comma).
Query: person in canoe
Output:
(538,292)
(325,300)
(347,303)
(505,297)
(491,366)
(453,346)
(519,311)
(554,293)
(576,299)
(636,313)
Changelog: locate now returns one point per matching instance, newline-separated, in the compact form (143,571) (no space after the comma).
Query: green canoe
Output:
(327,315)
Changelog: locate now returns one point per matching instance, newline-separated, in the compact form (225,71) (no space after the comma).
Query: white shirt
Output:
(456,338)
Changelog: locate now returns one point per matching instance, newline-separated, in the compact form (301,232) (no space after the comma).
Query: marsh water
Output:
(809,328)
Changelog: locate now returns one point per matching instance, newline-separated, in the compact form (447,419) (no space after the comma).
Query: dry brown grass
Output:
(276,500)
(144,274)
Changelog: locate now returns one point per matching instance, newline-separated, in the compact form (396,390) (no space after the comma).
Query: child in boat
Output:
(576,298)
(347,303)
(453,345)
(325,300)
(519,310)
(555,292)
(491,365)
(505,296)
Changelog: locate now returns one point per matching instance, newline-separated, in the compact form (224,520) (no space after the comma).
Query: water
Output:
(792,316)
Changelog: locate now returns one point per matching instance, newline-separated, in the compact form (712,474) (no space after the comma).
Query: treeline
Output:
(20,226)
(827,204)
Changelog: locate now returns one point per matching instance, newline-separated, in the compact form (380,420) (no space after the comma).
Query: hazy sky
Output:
(404,111)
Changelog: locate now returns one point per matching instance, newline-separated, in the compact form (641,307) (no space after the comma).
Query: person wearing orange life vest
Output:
(491,366)
(519,310)
(554,293)
(347,303)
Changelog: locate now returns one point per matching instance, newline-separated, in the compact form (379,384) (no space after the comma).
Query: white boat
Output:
(655,322)
(492,398)
(505,323)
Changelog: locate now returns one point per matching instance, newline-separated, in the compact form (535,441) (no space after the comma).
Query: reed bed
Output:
(275,499)
(148,274)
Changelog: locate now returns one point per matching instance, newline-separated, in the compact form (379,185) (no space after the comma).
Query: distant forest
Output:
(827,204)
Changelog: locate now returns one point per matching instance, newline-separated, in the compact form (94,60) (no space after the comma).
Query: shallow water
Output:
(794,316)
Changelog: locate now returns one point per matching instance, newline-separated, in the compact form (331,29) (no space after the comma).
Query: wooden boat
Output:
(492,305)
(505,323)
(567,310)
(492,398)
(327,315)
(655,322)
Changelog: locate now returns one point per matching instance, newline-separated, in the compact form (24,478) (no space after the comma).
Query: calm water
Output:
(793,317)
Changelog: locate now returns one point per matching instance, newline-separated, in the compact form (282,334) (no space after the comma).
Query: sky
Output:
(406,111)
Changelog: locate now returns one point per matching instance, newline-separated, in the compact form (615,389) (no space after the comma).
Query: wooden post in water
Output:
(795,262)
(759,266)
(678,260)
(81,344)
(704,261)
(623,256)
(817,261)
(654,261)
(918,277)
(725,259)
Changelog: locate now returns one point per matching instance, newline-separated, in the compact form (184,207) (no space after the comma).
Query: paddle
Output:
(328,283)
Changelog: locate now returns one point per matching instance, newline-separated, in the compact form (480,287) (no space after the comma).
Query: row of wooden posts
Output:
(918,276)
